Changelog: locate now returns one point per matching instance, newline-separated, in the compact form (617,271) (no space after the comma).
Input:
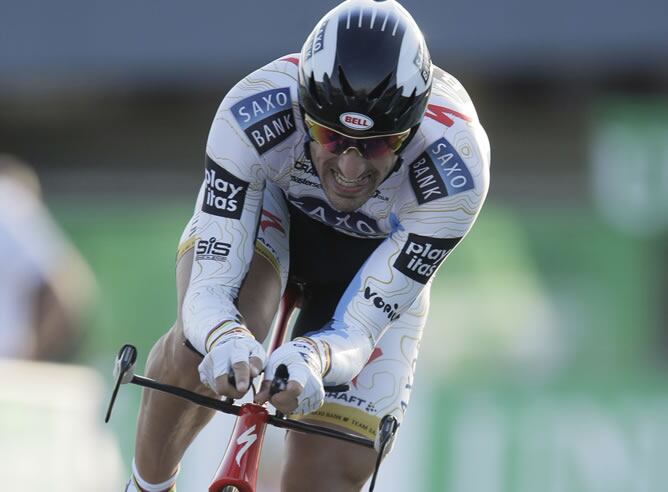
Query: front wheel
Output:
(229,488)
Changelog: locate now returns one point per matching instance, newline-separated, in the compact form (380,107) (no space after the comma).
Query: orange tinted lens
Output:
(370,148)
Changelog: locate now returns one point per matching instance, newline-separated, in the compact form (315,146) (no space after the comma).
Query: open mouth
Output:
(351,184)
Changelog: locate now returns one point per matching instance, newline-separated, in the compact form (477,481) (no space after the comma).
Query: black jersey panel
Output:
(324,262)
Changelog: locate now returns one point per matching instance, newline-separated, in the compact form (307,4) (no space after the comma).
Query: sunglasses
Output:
(368,147)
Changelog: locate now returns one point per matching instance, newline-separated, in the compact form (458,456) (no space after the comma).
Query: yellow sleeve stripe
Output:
(224,328)
(262,250)
(323,349)
(185,246)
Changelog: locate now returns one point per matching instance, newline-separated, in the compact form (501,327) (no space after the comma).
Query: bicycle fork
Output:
(242,456)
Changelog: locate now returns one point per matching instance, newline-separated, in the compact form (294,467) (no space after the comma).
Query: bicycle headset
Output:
(365,71)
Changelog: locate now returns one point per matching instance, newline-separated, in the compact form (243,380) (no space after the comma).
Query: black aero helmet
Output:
(365,69)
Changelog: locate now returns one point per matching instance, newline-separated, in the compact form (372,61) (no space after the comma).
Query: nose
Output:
(351,163)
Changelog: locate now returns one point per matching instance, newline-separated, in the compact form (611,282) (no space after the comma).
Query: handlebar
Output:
(124,373)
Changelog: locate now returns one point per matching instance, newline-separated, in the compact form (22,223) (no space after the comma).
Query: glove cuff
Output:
(321,350)
(225,331)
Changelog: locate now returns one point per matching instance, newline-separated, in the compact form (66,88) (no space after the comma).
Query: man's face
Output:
(349,179)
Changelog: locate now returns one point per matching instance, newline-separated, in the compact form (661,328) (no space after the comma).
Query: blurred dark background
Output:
(547,340)
(124,91)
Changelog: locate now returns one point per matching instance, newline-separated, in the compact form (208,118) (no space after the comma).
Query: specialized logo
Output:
(355,223)
(246,439)
(271,221)
(390,310)
(266,118)
(225,194)
(440,114)
(439,172)
(421,256)
(212,250)
(291,59)
(356,121)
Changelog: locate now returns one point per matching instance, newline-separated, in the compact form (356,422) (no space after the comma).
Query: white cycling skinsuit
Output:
(258,166)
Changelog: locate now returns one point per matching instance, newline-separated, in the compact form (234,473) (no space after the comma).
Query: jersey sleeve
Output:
(255,117)
(426,227)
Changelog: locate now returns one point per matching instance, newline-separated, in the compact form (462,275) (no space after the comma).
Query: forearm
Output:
(343,352)
(375,298)
(222,254)
(208,312)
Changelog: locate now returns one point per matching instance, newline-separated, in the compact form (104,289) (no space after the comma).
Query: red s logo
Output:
(439,113)
(271,221)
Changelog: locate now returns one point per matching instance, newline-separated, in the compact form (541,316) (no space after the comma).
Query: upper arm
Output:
(246,127)
(441,200)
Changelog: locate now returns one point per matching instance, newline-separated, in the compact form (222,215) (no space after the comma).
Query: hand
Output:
(304,392)
(237,353)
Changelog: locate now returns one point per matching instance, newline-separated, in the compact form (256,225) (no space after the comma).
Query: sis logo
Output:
(212,250)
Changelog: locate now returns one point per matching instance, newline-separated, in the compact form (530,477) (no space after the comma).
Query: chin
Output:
(346,204)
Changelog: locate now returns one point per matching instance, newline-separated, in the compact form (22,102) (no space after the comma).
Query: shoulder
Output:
(260,109)
(267,88)
(450,154)
(266,96)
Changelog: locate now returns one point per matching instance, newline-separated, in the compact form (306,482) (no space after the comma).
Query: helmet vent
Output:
(380,89)
(327,92)
(347,89)
(392,105)
(313,90)
(408,105)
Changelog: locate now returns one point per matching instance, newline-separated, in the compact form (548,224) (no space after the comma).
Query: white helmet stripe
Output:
(373,18)
(324,62)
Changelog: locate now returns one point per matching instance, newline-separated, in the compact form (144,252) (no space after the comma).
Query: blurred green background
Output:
(549,323)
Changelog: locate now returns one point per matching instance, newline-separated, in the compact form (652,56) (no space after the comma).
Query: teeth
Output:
(348,182)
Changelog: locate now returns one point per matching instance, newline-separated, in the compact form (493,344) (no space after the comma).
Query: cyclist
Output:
(353,169)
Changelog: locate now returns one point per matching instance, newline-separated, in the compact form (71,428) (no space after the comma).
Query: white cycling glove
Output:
(305,366)
(235,345)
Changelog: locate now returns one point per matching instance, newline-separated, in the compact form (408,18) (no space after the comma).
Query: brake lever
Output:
(232,381)
(387,430)
(279,383)
(123,372)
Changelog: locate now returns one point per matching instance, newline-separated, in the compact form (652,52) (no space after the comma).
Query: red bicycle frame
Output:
(241,460)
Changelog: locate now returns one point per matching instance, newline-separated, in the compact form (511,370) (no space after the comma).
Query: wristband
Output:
(225,328)
(323,350)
